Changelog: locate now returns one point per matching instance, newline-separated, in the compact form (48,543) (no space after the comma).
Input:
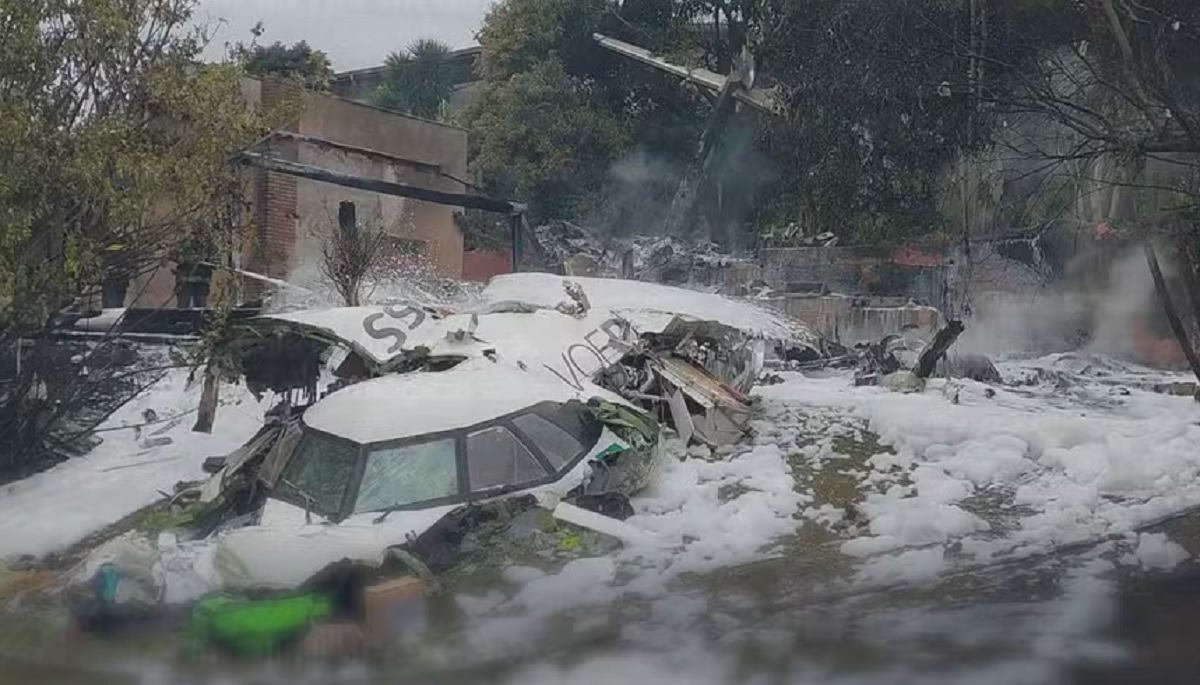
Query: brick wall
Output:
(480,265)
(272,237)
(275,225)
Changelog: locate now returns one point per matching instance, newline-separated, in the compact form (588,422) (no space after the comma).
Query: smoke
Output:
(1098,315)
(643,186)
(1130,298)
(1026,325)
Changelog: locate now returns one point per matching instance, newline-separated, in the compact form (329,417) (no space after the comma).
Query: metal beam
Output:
(374,185)
(516,224)
(758,98)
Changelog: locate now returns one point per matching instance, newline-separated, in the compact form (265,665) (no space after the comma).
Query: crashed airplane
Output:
(546,394)
(515,396)
(688,358)
(380,463)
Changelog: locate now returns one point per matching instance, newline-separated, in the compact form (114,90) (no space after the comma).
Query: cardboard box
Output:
(396,609)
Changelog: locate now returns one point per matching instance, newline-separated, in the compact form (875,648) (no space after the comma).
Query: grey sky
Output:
(355,33)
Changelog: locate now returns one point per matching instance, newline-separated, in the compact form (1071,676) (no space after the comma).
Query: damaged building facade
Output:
(284,221)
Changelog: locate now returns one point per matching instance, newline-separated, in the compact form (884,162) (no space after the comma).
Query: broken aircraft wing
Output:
(758,98)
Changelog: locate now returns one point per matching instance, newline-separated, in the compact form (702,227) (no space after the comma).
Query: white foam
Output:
(1156,551)
(55,509)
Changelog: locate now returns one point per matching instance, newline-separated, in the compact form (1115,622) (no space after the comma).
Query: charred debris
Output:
(904,363)
(650,370)
(692,375)
(279,590)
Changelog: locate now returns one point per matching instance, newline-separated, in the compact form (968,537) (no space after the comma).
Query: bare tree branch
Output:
(352,254)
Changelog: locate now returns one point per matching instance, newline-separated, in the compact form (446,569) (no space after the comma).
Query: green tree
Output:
(299,62)
(546,139)
(869,128)
(418,80)
(861,149)
(882,100)
(564,111)
(115,140)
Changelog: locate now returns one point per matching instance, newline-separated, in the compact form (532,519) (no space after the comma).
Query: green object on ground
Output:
(256,627)
(610,451)
(634,427)
(192,515)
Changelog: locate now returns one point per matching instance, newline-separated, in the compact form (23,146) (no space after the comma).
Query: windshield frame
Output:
(362,452)
(286,492)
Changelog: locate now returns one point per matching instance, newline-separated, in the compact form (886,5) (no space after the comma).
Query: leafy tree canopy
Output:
(116,142)
(883,99)
(299,62)
(557,112)
(862,145)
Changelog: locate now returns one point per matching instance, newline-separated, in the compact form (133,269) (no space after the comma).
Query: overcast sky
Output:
(355,33)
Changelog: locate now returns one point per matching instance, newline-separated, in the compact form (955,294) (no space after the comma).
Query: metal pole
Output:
(516,223)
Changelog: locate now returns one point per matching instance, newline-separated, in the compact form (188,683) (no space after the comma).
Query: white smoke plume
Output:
(1105,319)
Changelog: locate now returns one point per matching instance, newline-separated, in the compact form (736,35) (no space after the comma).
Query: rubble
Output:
(594,454)
(1178,389)
(878,360)
(1069,371)
(795,235)
(936,350)
(603,524)
(904,381)
(583,332)
(572,251)
(973,366)
(117,584)
(903,362)
(449,435)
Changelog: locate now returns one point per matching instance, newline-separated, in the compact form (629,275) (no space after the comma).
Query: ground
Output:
(963,534)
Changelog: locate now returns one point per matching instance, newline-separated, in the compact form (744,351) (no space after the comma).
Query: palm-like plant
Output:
(419,80)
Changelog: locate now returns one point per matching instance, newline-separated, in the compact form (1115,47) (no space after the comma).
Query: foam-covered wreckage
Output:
(536,411)
(695,375)
(569,250)
(407,475)
(689,358)
(381,463)
(904,362)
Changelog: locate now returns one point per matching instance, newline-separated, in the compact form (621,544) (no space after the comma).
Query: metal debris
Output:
(903,363)
(695,376)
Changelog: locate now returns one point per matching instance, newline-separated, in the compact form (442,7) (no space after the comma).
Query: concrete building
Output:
(285,221)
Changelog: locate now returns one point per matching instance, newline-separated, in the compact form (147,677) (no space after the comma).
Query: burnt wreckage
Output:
(693,374)
(438,420)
